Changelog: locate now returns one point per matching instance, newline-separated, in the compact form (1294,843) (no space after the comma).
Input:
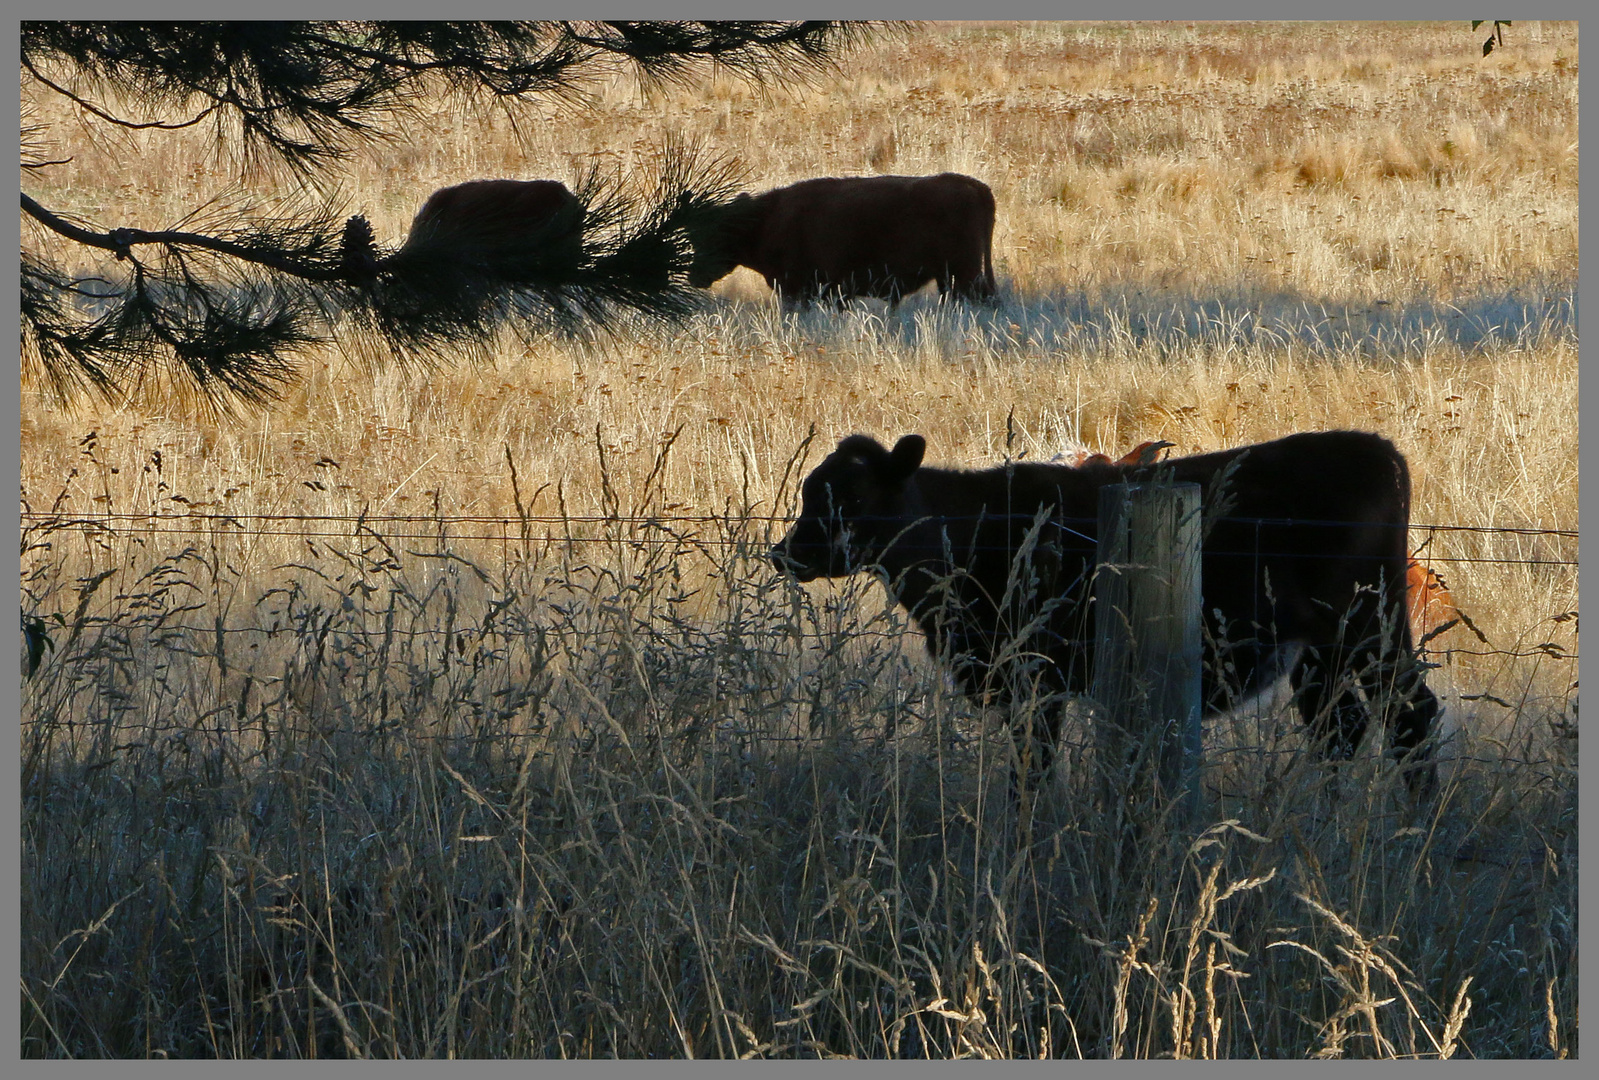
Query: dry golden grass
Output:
(563,773)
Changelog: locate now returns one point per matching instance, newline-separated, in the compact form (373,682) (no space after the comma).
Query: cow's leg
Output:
(1328,703)
(970,283)
(1397,686)
(1412,721)
(1337,717)
(1035,741)
(798,299)
(1041,740)
(976,291)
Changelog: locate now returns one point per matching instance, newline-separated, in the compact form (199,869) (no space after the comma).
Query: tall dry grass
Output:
(541,758)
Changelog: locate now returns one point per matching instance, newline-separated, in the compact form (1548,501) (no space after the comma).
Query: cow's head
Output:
(852,506)
(720,240)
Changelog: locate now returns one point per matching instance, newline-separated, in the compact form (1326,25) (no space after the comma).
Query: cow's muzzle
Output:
(787,565)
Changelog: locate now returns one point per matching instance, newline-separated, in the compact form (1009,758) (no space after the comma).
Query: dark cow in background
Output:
(499,224)
(1303,571)
(882,236)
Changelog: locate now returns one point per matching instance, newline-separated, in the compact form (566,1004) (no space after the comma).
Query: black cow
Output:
(498,225)
(882,236)
(1303,570)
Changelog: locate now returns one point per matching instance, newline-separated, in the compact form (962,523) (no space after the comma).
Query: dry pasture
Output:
(480,728)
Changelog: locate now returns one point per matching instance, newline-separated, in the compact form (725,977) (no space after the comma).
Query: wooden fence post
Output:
(1147,651)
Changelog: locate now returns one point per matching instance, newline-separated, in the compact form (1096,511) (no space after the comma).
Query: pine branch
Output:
(306,92)
(227,299)
(121,242)
(110,118)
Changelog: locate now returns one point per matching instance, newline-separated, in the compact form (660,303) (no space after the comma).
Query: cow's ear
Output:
(906,457)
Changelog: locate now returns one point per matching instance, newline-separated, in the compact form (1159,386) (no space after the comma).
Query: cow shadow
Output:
(1076,320)
(1021,322)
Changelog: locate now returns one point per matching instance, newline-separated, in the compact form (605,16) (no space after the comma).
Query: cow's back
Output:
(492,215)
(1297,528)
(1300,526)
(1342,475)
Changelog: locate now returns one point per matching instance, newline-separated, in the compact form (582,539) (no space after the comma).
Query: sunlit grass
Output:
(482,727)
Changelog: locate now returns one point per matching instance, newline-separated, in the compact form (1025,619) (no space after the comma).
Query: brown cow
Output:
(1301,573)
(1145,453)
(499,225)
(882,236)
(1431,602)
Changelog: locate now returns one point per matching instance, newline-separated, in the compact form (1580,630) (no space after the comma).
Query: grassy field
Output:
(484,728)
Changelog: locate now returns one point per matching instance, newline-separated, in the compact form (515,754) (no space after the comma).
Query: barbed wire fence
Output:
(728,544)
(1530,546)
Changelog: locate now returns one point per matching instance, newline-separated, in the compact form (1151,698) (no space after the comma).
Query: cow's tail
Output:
(987,286)
(1396,554)
(1415,708)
